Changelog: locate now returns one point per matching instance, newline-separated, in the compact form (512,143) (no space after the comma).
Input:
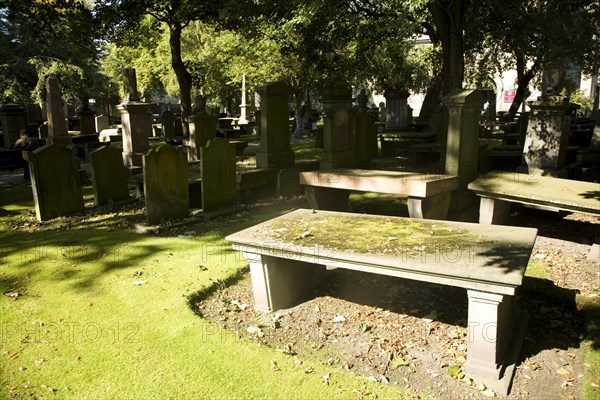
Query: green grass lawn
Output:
(91,309)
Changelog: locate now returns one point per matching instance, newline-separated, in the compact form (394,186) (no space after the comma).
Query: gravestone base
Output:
(275,160)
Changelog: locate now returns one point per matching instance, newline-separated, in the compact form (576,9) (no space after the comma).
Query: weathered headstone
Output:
(395,107)
(547,137)
(165,184)
(14,119)
(137,125)
(275,150)
(218,175)
(54,181)
(58,132)
(87,122)
(102,123)
(202,128)
(108,175)
(462,147)
(365,131)
(168,124)
(337,126)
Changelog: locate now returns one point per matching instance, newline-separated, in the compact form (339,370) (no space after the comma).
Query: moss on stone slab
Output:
(371,234)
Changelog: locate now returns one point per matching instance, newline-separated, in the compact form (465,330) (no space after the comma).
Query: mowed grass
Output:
(94,312)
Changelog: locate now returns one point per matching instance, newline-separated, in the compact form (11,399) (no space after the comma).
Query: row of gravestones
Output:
(57,191)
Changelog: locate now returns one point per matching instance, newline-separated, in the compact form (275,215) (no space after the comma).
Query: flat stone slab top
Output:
(288,255)
(379,181)
(563,194)
(472,256)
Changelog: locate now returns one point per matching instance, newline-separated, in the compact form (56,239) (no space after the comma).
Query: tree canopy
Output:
(186,47)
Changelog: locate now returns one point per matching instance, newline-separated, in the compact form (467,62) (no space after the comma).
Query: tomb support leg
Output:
(280,283)
(323,198)
(493,211)
(495,333)
(432,207)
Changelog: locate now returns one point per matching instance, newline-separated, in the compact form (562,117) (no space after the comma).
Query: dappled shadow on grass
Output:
(80,256)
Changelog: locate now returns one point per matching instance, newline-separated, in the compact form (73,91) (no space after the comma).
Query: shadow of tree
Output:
(69,251)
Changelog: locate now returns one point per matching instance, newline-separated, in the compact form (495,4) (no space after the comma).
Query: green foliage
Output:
(585,101)
(41,36)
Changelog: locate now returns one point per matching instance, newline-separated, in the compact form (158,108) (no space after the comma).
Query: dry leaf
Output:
(39,361)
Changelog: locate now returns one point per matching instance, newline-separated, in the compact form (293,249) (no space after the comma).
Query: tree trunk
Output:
(449,18)
(184,79)
(523,78)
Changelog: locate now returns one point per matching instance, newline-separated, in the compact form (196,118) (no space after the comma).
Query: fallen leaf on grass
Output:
(48,388)
(274,366)
(39,361)
(594,385)
(326,379)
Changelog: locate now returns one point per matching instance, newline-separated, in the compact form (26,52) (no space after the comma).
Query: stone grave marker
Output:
(137,124)
(202,128)
(396,116)
(54,181)
(168,124)
(218,175)
(87,122)
(108,175)
(165,184)
(547,136)
(337,126)
(365,131)
(58,132)
(462,147)
(275,149)
(102,123)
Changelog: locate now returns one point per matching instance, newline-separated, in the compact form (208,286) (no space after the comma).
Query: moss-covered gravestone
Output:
(166,184)
(218,174)
(54,181)
(108,175)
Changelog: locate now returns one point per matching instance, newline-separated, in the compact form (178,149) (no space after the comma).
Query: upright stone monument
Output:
(275,150)
(58,131)
(202,128)
(243,119)
(54,181)
(137,126)
(462,146)
(87,121)
(547,136)
(396,117)
(337,126)
(218,175)
(14,119)
(109,178)
(102,123)
(166,189)
(365,131)
(168,124)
